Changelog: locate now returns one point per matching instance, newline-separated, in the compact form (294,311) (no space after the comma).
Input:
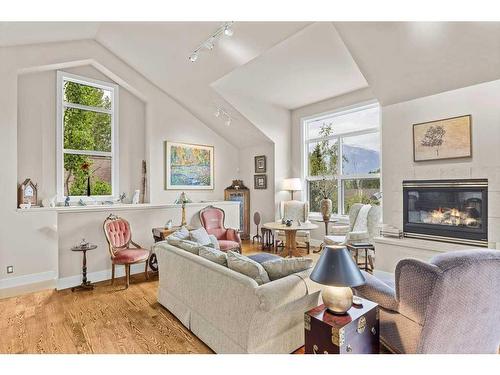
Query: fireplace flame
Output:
(451,216)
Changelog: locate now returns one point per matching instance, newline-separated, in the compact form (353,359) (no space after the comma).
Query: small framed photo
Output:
(260,164)
(260,181)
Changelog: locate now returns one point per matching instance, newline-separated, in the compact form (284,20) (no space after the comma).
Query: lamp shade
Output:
(293,184)
(335,267)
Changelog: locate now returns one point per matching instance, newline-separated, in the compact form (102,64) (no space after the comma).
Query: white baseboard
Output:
(15,286)
(71,281)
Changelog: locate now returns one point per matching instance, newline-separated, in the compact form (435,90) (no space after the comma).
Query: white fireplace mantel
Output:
(389,251)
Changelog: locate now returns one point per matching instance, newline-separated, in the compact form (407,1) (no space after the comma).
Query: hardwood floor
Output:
(109,319)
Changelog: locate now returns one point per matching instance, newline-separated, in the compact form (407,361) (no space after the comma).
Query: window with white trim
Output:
(342,157)
(87,150)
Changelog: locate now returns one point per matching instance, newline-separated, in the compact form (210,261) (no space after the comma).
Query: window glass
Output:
(360,191)
(361,154)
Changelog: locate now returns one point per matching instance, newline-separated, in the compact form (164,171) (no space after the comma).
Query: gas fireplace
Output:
(446,210)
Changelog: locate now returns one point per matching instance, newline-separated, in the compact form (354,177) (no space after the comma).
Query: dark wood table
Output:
(85,285)
(356,332)
(367,265)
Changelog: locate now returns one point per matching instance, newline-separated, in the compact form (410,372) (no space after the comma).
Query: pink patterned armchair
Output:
(212,219)
(119,237)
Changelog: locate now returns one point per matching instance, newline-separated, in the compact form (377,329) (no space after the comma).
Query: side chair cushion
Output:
(128,256)
(377,291)
(118,232)
(226,245)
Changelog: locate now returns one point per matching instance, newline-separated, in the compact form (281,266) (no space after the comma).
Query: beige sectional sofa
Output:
(228,311)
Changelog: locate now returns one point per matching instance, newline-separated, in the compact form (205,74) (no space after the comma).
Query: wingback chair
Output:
(212,219)
(119,237)
(449,305)
(295,210)
(364,221)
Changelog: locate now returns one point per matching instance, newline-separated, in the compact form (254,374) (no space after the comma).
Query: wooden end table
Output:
(85,285)
(356,332)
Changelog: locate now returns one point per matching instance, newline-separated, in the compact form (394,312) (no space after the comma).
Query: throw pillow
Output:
(190,246)
(214,242)
(200,235)
(264,257)
(247,266)
(278,268)
(213,255)
(177,236)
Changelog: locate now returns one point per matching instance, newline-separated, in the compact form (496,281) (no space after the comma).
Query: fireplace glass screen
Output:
(457,209)
(451,210)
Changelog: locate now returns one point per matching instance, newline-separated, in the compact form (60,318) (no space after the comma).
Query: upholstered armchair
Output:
(295,210)
(119,238)
(212,219)
(449,305)
(364,221)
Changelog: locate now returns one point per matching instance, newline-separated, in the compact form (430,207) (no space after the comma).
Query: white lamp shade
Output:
(292,184)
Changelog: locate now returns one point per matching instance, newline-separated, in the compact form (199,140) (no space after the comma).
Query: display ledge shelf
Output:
(121,207)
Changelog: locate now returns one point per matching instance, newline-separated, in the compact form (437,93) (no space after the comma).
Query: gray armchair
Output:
(449,305)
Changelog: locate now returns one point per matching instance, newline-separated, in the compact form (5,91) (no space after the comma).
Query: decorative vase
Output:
(326,208)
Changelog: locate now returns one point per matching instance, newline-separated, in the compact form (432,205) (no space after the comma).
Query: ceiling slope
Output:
(407,60)
(160,52)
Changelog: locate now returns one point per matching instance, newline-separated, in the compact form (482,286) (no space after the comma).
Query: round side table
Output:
(85,285)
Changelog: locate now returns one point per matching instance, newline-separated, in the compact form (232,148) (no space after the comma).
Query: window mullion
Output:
(87,108)
(87,152)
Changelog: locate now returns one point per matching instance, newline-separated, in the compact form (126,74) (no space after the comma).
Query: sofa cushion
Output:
(278,268)
(247,266)
(191,246)
(178,236)
(213,255)
(200,235)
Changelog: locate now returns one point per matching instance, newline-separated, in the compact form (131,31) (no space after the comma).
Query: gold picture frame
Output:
(189,166)
(449,138)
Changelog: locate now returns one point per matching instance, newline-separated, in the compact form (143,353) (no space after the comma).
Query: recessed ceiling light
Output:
(193,57)
(228,31)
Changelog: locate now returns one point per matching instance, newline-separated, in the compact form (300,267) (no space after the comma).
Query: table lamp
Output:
(292,184)
(337,270)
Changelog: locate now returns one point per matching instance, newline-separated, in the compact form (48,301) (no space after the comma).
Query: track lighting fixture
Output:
(221,112)
(224,30)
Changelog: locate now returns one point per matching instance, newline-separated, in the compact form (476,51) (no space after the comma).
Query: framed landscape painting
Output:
(443,139)
(189,166)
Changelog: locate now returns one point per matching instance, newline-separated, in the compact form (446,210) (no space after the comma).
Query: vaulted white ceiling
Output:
(287,64)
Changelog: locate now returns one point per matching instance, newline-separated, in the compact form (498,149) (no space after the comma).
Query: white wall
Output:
(329,105)
(36,140)
(260,200)
(29,242)
(480,101)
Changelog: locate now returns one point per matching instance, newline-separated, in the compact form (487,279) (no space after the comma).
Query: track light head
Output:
(228,122)
(217,113)
(228,31)
(209,44)
(193,57)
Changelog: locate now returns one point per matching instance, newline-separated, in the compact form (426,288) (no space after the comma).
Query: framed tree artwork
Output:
(189,166)
(443,139)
